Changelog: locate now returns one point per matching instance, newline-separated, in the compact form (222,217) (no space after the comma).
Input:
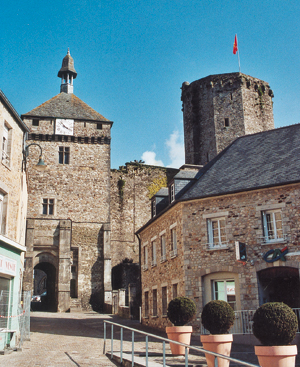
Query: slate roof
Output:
(265,159)
(185,175)
(164,191)
(67,106)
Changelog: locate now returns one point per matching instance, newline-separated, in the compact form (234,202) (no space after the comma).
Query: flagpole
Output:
(238,51)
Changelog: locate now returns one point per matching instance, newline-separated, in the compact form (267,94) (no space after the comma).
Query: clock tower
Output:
(68,217)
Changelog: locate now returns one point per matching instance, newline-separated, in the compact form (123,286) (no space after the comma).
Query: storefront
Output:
(11,305)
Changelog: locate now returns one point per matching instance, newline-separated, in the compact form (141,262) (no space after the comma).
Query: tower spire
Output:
(67,73)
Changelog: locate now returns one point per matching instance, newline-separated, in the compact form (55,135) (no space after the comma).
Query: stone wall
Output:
(12,185)
(196,265)
(131,189)
(245,102)
(80,193)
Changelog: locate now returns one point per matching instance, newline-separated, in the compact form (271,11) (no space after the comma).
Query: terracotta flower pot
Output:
(219,344)
(180,334)
(276,356)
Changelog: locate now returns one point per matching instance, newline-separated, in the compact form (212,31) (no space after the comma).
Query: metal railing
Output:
(164,340)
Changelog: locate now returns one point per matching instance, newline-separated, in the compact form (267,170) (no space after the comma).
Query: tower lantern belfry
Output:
(67,73)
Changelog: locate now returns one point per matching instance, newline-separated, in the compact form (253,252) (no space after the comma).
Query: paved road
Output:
(76,340)
(62,340)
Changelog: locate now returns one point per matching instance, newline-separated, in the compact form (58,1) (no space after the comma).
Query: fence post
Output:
(112,342)
(121,347)
(104,337)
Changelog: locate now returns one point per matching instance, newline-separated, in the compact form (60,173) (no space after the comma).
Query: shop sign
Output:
(277,254)
(8,266)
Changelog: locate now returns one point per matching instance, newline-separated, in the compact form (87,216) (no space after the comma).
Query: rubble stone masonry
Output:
(220,108)
(196,265)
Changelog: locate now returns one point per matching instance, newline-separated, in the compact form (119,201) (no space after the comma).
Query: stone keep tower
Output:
(68,221)
(220,108)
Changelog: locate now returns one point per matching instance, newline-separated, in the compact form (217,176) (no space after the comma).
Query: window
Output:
(272,225)
(164,300)
(163,248)
(225,290)
(6,145)
(153,208)
(216,232)
(154,302)
(146,304)
(35,122)
(3,210)
(99,126)
(153,245)
(48,206)
(64,155)
(172,193)
(173,243)
(175,290)
(226,122)
(145,251)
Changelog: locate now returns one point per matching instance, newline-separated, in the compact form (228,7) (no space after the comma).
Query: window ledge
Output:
(6,165)
(154,317)
(274,242)
(217,248)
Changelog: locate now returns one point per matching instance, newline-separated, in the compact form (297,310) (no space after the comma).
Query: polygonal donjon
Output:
(220,108)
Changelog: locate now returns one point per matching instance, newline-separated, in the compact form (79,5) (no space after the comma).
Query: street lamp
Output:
(41,164)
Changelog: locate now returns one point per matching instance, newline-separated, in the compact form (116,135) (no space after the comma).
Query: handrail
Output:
(187,347)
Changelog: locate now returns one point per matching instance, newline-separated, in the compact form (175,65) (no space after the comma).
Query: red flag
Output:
(235,46)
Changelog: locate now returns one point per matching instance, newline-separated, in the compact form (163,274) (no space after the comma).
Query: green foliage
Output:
(217,317)
(275,323)
(181,310)
(121,184)
(156,185)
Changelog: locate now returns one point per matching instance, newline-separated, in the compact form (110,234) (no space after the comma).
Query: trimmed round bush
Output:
(275,323)
(181,310)
(217,317)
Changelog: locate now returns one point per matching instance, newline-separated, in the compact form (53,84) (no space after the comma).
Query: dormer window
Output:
(172,193)
(153,208)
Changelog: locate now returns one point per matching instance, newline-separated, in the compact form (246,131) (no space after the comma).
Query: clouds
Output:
(149,158)
(175,146)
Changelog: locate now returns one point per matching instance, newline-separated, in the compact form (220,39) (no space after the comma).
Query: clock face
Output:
(64,126)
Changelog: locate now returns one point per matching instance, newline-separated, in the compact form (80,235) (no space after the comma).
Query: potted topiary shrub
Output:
(180,311)
(217,317)
(275,325)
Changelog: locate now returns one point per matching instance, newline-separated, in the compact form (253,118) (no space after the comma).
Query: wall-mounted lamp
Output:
(41,164)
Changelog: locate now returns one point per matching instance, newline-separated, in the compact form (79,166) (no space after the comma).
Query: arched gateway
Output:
(279,284)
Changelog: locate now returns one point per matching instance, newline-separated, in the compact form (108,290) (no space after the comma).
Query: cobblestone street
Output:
(62,339)
(76,340)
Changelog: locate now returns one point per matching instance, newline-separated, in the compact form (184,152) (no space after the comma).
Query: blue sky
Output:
(133,56)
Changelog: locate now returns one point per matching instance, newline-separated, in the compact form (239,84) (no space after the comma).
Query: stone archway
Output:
(279,284)
(47,272)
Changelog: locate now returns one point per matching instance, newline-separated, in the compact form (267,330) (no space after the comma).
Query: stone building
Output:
(132,186)
(68,219)
(233,234)
(82,215)
(218,109)
(13,203)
